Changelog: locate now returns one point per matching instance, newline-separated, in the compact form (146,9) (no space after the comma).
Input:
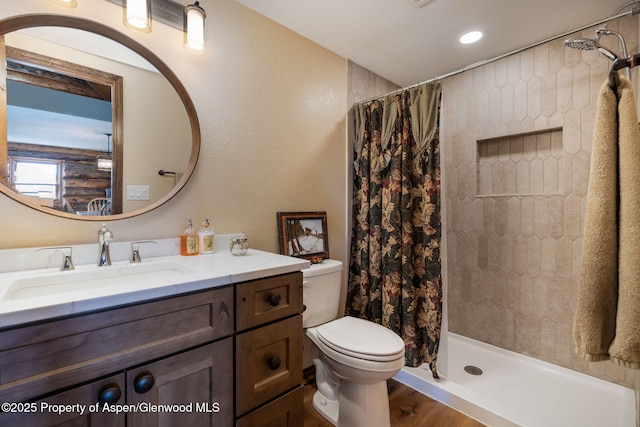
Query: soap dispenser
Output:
(207,238)
(189,241)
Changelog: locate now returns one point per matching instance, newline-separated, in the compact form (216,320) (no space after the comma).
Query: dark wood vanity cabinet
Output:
(164,362)
(269,352)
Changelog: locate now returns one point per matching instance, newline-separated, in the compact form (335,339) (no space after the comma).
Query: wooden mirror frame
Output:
(46,20)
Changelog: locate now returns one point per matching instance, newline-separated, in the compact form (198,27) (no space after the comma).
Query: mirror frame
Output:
(20,22)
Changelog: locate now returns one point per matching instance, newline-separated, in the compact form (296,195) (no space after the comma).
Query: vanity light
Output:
(194,36)
(67,3)
(137,15)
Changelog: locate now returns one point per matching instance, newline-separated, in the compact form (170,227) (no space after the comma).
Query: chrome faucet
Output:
(67,263)
(135,251)
(104,237)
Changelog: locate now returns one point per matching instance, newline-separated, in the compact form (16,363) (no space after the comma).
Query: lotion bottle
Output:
(207,238)
(189,241)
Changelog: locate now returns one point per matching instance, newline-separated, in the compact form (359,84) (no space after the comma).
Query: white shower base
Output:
(516,390)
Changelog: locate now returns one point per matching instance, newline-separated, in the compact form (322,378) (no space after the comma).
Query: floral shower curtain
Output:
(394,269)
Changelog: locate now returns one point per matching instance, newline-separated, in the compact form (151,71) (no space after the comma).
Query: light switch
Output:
(137,192)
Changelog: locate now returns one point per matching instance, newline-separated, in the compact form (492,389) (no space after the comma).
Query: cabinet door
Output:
(82,406)
(269,363)
(285,411)
(194,388)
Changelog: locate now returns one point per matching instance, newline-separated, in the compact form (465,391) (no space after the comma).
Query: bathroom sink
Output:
(63,282)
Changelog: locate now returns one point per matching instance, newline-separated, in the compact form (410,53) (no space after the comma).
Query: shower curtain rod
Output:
(633,11)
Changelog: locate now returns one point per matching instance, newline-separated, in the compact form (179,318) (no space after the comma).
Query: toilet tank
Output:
(321,289)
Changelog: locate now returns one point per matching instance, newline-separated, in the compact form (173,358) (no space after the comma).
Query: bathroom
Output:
(265,96)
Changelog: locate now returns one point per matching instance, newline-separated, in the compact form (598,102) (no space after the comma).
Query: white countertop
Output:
(197,273)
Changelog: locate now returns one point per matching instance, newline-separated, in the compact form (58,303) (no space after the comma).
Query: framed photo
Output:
(303,234)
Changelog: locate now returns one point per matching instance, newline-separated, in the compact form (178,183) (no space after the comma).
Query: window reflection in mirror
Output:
(146,127)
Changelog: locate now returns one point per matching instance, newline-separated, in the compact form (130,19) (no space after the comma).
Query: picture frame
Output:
(303,234)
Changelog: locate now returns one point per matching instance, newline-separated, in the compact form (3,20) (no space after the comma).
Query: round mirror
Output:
(96,124)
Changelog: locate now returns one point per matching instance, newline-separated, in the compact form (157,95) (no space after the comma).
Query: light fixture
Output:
(471,37)
(104,163)
(67,3)
(194,36)
(137,15)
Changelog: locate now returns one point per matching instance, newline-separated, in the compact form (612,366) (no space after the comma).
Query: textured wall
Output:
(272,108)
(517,143)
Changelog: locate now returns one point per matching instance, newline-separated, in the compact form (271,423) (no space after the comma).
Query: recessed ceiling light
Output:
(471,37)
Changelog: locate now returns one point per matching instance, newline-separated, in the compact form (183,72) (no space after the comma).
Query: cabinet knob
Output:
(274,363)
(143,382)
(110,393)
(274,300)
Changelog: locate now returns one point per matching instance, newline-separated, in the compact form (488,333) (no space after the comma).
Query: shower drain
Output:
(473,370)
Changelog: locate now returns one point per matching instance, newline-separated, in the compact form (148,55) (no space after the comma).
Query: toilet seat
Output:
(361,339)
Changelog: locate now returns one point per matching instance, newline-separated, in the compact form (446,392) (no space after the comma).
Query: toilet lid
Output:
(361,338)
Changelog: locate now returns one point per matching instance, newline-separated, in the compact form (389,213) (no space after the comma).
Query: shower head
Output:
(606,52)
(605,32)
(581,44)
(593,44)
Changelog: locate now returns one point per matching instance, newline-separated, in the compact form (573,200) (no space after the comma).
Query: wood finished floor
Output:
(408,407)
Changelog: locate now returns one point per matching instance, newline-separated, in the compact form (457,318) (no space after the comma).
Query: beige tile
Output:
(527,65)
(529,147)
(534,256)
(549,100)
(556,217)
(489,215)
(510,180)
(556,144)
(548,258)
(541,59)
(467,215)
(551,173)
(498,179)
(572,132)
(534,97)
(541,216)
(478,216)
(572,217)
(536,176)
(543,145)
(565,90)
(506,103)
(483,252)
(526,295)
(581,95)
(580,173)
(520,255)
(527,216)
(500,73)
(522,177)
(556,57)
(505,254)
(521,101)
(513,216)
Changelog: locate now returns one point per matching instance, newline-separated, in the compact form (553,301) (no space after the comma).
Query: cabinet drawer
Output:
(286,411)
(269,362)
(41,358)
(265,300)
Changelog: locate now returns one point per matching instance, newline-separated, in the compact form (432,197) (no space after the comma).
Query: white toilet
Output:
(353,358)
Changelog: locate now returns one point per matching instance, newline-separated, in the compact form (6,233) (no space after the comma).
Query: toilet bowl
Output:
(353,357)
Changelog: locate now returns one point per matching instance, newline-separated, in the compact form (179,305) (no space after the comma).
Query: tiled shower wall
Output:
(517,137)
